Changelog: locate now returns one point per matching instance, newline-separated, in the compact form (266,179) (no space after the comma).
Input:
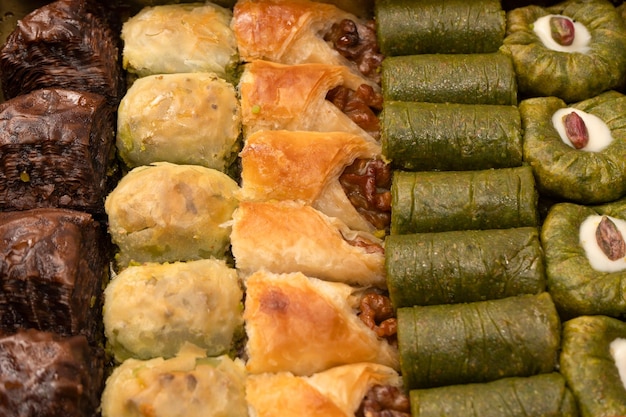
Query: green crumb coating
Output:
(478,342)
(587,364)
(541,395)
(408,27)
(463,200)
(450,78)
(463,266)
(451,137)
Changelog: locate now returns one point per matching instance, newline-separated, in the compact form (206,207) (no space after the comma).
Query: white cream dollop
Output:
(618,351)
(599,133)
(582,37)
(587,236)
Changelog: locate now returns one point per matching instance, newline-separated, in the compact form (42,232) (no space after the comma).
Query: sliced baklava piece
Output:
(341,174)
(361,389)
(303,31)
(593,362)
(289,236)
(179,38)
(190,384)
(304,325)
(577,151)
(190,118)
(56,150)
(152,310)
(167,212)
(573,50)
(64,44)
(53,265)
(44,374)
(313,97)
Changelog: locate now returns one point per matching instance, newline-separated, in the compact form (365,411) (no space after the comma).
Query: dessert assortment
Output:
(289,207)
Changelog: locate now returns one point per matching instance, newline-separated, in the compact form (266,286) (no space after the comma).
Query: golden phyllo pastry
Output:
(305,325)
(289,236)
(320,169)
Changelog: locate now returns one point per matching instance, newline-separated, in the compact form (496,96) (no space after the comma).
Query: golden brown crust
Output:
(305,166)
(293,97)
(289,236)
(336,392)
(304,325)
(289,31)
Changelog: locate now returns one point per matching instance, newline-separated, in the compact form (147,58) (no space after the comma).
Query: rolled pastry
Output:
(179,38)
(478,342)
(303,325)
(463,266)
(191,118)
(407,27)
(309,166)
(294,97)
(594,364)
(303,31)
(190,384)
(590,171)
(534,396)
(152,310)
(487,78)
(450,137)
(442,201)
(289,236)
(582,279)
(166,212)
(585,61)
(336,392)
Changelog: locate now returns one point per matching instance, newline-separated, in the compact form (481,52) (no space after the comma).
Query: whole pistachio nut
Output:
(576,130)
(610,239)
(562,30)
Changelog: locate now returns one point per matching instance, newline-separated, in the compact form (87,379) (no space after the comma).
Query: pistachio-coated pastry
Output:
(187,118)
(152,310)
(166,212)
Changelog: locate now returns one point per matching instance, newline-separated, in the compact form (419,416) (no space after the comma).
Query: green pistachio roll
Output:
(463,200)
(463,266)
(478,342)
(450,78)
(590,171)
(593,361)
(407,27)
(586,56)
(450,136)
(536,396)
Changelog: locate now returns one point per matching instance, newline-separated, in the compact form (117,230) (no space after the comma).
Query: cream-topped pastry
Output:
(580,36)
(618,352)
(597,257)
(599,134)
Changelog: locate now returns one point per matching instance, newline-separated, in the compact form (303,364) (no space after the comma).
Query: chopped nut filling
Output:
(384,401)
(361,106)
(367,184)
(358,43)
(376,311)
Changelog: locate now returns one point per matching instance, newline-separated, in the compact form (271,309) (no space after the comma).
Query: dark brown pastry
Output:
(55,150)
(52,271)
(65,44)
(43,374)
